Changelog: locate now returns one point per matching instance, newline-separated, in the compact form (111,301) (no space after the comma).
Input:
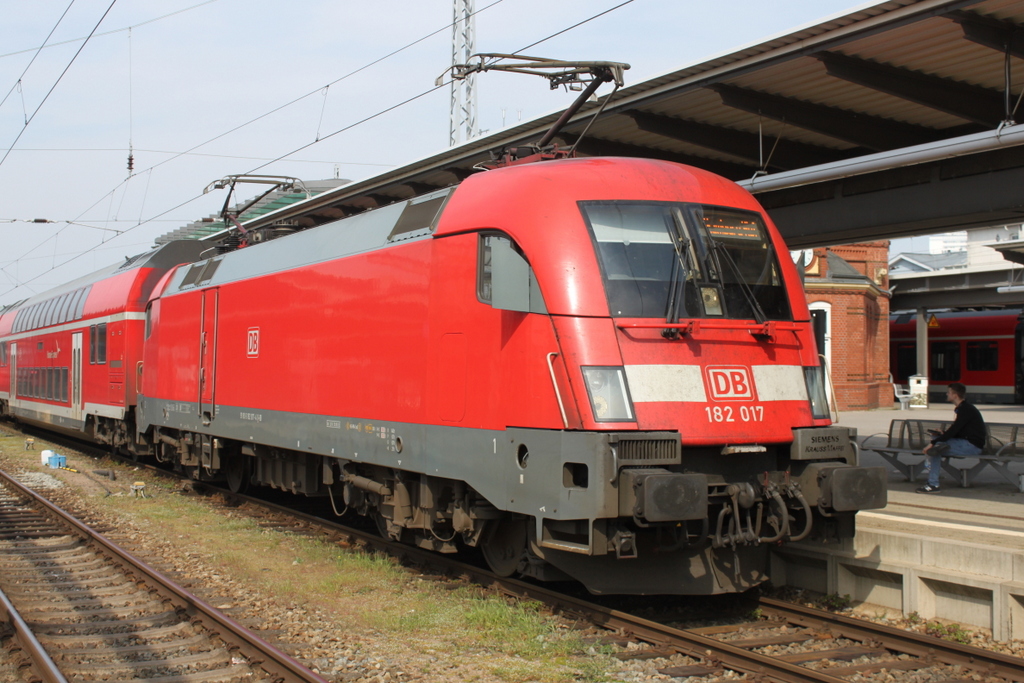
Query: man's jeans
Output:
(956,447)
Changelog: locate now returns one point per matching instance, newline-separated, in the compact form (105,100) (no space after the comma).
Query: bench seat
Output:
(901,447)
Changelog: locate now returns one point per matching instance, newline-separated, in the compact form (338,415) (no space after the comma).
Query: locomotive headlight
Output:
(609,394)
(814,377)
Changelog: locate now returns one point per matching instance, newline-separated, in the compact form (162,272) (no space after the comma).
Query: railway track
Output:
(787,643)
(80,608)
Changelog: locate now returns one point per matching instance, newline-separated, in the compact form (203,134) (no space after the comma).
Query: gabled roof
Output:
(913,262)
(840,269)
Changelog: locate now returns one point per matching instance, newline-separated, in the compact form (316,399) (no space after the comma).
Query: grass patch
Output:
(370,591)
(474,635)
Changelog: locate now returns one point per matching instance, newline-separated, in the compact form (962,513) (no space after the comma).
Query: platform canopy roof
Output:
(890,120)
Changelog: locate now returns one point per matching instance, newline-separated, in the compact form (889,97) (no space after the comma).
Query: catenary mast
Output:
(462,118)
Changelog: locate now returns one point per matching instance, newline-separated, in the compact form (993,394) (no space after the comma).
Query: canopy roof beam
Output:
(784,154)
(873,132)
(971,102)
(992,33)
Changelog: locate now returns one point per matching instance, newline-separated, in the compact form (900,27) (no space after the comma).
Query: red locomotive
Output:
(596,368)
(981,349)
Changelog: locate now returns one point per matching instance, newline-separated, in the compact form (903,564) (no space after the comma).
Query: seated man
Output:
(966,436)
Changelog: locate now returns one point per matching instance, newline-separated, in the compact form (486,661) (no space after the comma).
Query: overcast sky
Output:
(189,73)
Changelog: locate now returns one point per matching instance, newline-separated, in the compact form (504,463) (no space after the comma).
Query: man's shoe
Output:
(928,488)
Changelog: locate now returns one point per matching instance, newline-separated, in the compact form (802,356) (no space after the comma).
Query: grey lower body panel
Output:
(45,420)
(551,474)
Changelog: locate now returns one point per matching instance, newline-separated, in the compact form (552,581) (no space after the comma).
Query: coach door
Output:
(208,355)
(76,376)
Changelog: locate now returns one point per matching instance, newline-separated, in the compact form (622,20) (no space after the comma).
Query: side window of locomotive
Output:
(982,356)
(505,279)
(98,344)
(945,361)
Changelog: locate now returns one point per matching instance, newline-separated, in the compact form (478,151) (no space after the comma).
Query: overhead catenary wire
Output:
(236,128)
(196,154)
(56,83)
(438,86)
(111,32)
(17,83)
(306,146)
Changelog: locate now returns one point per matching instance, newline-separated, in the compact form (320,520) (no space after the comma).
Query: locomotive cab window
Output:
(505,279)
(673,261)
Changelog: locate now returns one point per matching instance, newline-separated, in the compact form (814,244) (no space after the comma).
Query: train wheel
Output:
(388,531)
(238,473)
(503,545)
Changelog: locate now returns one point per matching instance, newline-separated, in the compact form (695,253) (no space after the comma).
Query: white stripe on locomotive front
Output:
(685,383)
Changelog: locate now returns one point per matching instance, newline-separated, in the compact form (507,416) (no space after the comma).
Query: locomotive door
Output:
(208,354)
(76,376)
(13,362)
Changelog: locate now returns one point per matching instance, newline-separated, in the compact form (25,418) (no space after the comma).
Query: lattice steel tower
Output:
(462,119)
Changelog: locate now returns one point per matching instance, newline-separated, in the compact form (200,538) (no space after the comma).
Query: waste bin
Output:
(918,391)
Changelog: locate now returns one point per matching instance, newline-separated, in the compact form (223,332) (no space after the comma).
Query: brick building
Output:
(847,290)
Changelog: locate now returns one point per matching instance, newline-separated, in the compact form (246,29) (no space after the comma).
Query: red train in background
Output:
(593,368)
(981,349)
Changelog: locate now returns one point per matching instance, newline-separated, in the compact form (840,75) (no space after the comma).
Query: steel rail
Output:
(910,642)
(686,642)
(260,652)
(691,644)
(44,666)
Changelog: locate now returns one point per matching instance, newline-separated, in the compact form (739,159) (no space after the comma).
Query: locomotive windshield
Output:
(673,261)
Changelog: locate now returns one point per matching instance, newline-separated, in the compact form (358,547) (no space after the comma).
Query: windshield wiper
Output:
(678,278)
(755,307)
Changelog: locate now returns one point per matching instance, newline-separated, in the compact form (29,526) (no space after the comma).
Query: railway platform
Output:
(956,555)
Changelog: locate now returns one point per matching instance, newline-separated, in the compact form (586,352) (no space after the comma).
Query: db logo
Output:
(252,346)
(730,383)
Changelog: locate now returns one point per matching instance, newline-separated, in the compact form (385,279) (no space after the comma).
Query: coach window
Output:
(64,385)
(505,279)
(98,344)
(64,313)
(80,303)
(3,354)
(945,362)
(906,360)
(982,356)
(50,317)
(149,320)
